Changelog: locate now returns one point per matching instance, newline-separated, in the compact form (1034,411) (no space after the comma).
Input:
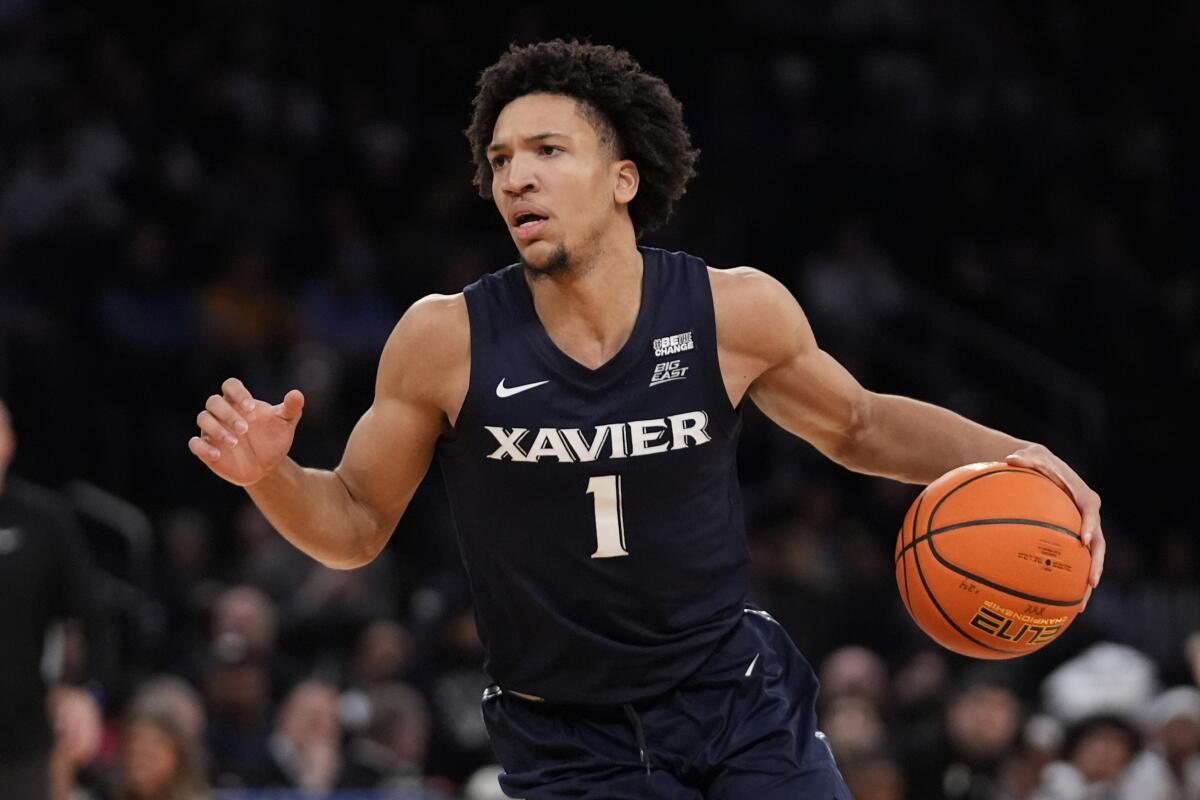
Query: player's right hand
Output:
(242,438)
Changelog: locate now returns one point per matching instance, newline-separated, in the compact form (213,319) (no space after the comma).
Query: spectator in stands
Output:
(173,698)
(46,577)
(236,687)
(965,755)
(1096,758)
(390,753)
(306,745)
(159,761)
(1171,725)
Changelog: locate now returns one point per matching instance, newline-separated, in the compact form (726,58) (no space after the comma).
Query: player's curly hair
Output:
(630,108)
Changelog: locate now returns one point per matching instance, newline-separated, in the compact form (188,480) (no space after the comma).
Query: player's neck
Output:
(589,310)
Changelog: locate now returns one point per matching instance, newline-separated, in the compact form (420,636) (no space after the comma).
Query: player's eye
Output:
(549,149)
(499,161)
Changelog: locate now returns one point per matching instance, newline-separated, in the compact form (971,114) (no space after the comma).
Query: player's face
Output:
(554,181)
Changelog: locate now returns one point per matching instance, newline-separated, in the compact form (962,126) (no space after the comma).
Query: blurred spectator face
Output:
(401,722)
(1173,718)
(853,726)
(1102,752)
(1181,738)
(171,697)
(310,714)
(151,759)
(247,614)
(857,671)
(384,652)
(982,722)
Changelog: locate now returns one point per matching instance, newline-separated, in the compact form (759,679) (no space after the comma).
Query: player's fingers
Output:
(228,416)
(1022,458)
(1050,465)
(237,394)
(1018,459)
(1088,503)
(1090,528)
(291,407)
(217,433)
(203,450)
(1086,499)
(1098,550)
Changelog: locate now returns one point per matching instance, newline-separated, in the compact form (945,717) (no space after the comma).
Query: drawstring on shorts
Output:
(632,716)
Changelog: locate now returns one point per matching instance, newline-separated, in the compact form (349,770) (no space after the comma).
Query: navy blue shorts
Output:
(743,726)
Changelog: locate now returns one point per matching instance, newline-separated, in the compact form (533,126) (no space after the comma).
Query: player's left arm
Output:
(768,352)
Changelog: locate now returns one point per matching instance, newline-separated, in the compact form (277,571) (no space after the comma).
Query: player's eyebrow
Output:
(537,137)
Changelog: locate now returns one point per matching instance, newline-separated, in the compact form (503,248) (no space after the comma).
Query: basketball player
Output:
(584,405)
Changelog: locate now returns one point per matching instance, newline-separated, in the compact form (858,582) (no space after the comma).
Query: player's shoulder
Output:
(432,335)
(743,280)
(436,315)
(749,296)
(756,315)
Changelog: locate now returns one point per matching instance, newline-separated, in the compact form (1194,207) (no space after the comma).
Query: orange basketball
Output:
(990,563)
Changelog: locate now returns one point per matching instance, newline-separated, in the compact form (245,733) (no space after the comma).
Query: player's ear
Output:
(626,181)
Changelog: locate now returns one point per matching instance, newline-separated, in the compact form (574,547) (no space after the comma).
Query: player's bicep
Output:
(388,454)
(814,397)
(802,388)
(392,445)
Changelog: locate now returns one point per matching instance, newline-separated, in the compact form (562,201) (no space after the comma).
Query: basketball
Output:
(989,561)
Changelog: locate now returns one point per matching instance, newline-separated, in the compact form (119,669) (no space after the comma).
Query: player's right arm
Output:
(343,517)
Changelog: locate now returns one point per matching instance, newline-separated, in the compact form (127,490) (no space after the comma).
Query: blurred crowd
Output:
(258,188)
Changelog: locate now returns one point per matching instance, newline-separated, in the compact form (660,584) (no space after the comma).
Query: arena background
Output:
(990,206)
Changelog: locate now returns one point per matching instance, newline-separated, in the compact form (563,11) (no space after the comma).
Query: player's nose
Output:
(520,177)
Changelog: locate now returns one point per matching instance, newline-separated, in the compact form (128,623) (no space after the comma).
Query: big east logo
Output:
(667,371)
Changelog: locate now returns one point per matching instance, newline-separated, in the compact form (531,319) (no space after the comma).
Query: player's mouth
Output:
(528,225)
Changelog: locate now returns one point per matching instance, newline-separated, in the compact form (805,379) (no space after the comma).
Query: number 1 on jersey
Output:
(610,518)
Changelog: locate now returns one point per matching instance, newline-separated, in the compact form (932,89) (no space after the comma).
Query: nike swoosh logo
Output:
(750,668)
(509,391)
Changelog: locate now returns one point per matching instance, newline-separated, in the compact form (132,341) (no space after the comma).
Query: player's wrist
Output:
(272,474)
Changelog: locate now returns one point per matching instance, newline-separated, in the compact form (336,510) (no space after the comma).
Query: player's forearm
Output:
(917,442)
(314,511)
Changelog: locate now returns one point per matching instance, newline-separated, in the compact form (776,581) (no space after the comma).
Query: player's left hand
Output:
(1039,457)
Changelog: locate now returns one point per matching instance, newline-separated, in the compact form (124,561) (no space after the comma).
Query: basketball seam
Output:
(996,521)
(999,587)
(929,594)
(984,581)
(965,483)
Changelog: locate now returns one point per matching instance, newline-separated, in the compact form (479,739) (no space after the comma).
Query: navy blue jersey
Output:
(598,511)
